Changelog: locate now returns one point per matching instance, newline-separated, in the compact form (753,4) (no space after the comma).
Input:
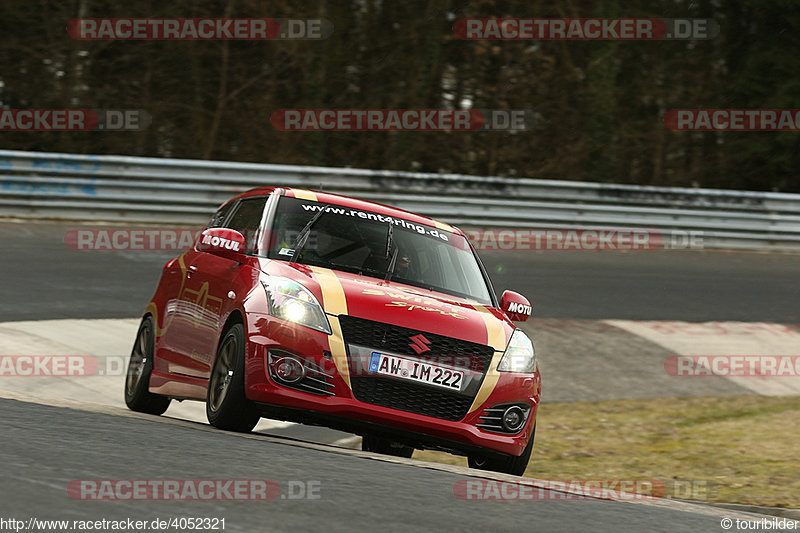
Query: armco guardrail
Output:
(139,189)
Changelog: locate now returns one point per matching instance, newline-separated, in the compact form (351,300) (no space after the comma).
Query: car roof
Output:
(354,203)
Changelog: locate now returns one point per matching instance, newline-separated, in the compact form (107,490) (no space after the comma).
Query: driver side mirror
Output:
(222,242)
(515,306)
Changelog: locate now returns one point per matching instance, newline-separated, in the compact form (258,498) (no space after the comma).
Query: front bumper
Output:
(342,410)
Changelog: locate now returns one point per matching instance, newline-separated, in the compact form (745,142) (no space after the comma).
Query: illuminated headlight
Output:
(290,301)
(519,356)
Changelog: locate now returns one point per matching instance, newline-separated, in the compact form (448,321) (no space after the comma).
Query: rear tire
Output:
(140,366)
(227,407)
(382,445)
(507,464)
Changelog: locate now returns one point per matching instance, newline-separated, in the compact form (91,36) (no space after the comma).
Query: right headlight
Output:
(519,356)
(292,302)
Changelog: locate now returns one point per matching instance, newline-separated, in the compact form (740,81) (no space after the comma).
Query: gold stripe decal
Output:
(496,336)
(333,299)
(335,303)
(338,349)
(443,226)
(304,194)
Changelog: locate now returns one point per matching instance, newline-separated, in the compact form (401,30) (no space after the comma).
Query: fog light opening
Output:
(513,418)
(288,369)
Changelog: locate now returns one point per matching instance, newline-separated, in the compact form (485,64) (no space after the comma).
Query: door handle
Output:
(190,270)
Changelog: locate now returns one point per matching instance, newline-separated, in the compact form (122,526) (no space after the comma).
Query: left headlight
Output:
(519,356)
(290,301)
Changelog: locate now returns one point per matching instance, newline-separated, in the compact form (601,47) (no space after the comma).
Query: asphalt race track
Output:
(43,448)
(47,441)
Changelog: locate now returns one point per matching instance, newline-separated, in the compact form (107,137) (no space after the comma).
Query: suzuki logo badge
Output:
(419,343)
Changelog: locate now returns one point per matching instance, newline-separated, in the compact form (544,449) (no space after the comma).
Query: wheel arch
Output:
(236,316)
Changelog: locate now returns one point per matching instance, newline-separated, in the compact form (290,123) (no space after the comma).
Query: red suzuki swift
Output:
(318,308)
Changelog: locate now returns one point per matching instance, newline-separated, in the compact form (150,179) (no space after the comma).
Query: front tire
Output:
(507,464)
(140,366)
(227,407)
(382,445)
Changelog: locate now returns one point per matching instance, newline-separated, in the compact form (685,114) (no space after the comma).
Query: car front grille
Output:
(408,396)
(396,339)
(411,397)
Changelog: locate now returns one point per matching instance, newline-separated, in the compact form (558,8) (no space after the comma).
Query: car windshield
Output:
(358,241)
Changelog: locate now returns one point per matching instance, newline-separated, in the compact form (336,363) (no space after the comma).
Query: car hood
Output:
(343,293)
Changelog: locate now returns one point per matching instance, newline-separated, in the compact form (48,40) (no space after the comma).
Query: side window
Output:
(221,214)
(247,220)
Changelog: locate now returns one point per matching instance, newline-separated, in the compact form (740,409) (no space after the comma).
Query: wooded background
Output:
(600,103)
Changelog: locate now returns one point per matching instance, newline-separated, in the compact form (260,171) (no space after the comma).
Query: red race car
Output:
(322,309)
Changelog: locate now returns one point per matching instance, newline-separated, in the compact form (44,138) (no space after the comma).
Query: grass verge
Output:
(737,449)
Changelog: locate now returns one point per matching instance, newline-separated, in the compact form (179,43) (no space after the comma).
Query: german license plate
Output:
(418,371)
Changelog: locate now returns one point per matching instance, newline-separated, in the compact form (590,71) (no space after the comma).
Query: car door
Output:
(180,344)
(213,285)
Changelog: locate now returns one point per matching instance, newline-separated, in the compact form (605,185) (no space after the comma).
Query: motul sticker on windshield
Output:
(516,307)
(220,242)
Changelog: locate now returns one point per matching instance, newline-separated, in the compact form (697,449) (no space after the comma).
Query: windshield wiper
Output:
(302,237)
(389,245)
